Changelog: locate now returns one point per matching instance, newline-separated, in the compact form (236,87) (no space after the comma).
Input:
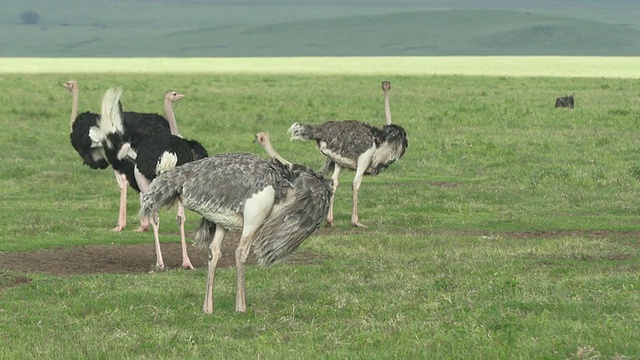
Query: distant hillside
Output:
(451,32)
(124,28)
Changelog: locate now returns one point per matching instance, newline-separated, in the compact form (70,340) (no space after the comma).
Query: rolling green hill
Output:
(70,28)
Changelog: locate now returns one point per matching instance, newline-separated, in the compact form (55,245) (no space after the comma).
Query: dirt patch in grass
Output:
(122,259)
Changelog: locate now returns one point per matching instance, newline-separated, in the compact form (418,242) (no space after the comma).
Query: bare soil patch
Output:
(122,259)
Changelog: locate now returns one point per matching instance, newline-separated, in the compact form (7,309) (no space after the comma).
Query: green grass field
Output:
(509,229)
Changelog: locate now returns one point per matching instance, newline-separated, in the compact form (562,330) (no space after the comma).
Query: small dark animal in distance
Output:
(565,102)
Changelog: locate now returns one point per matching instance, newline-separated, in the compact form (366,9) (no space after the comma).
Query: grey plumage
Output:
(217,184)
(302,213)
(341,141)
(356,146)
(264,198)
(299,216)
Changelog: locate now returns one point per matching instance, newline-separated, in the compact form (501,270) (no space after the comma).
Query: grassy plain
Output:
(509,229)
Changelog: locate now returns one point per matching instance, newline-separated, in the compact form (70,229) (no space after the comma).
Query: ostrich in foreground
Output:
(133,128)
(275,207)
(156,154)
(356,146)
(307,183)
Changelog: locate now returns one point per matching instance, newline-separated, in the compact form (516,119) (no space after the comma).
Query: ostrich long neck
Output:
(274,154)
(387,108)
(74,108)
(171,117)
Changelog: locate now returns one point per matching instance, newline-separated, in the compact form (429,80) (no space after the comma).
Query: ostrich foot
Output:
(118,228)
(141,228)
(329,224)
(358,224)
(160,267)
(186,265)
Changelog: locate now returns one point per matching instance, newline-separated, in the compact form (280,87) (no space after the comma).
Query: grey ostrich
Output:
(356,146)
(156,154)
(276,208)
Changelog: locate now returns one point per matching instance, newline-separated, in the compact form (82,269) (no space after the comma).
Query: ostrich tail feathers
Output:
(294,219)
(204,234)
(328,166)
(111,119)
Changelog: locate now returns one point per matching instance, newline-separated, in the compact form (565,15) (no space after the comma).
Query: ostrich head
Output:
(71,85)
(386,86)
(262,138)
(173,96)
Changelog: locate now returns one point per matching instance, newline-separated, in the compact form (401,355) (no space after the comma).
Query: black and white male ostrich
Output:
(356,146)
(84,132)
(156,154)
(86,138)
(132,129)
(276,208)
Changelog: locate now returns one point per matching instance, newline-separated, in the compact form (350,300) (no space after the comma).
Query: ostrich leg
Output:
(363,162)
(180,218)
(241,258)
(122,213)
(214,256)
(355,187)
(155,223)
(334,184)
(143,183)
(256,210)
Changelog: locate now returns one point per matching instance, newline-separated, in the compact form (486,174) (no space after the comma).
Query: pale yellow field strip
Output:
(560,66)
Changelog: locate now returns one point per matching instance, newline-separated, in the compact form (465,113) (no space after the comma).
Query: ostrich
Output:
(156,154)
(356,146)
(275,207)
(132,129)
(84,130)
(86,139)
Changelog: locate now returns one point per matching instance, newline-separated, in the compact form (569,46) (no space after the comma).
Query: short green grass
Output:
(508,230)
